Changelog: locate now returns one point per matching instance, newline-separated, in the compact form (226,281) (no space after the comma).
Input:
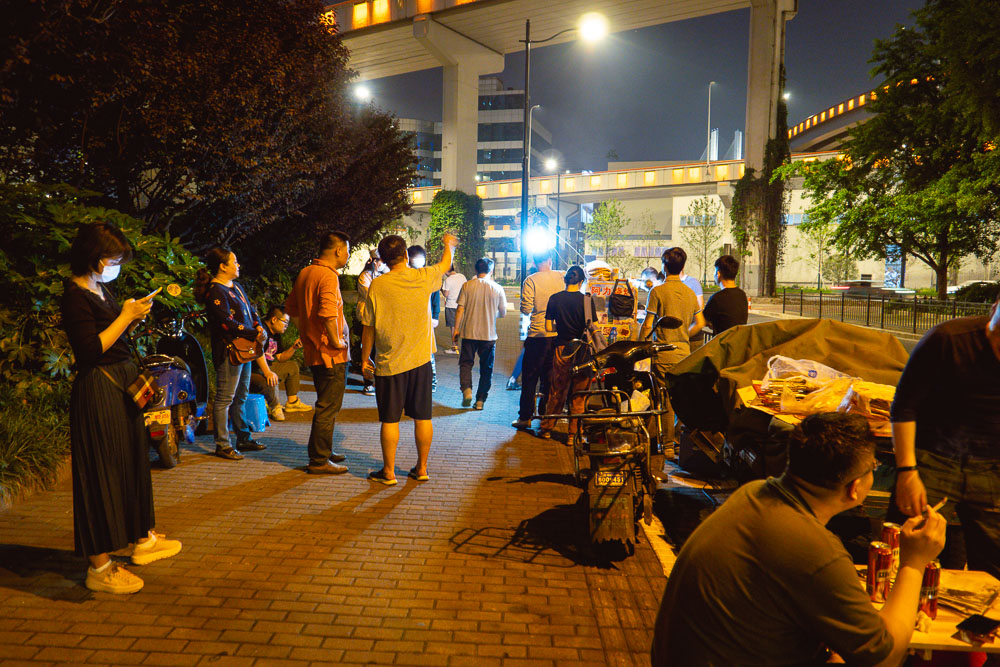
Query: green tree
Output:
(209,120)
(817,242)
(707,219)
(839,268)
(606,225)
(460,214)
(912,176)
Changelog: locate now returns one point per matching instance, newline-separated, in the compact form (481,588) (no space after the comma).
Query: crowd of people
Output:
(760,581)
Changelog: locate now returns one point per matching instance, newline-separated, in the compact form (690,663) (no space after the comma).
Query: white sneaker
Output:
(297,406)
(452,350)
(276,413)
(157,549)
(114,579)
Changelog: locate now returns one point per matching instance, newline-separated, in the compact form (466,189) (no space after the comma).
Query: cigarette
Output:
(938,507)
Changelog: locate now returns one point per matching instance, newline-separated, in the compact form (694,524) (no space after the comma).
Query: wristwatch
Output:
(900,469)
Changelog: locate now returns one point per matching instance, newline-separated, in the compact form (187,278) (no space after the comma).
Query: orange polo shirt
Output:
(316,298)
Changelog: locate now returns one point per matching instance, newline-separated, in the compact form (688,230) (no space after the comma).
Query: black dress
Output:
(112,489)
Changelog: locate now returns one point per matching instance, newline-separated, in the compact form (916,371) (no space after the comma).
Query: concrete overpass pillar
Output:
(464,61)
(767,52)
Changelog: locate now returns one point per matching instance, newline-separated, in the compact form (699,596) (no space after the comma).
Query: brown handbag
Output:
(242,350)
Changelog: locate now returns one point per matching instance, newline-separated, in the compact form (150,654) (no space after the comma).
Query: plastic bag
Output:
(825,399)
(815,374)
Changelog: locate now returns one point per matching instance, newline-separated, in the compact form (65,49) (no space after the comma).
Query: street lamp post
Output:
(553,166)
(708,134)
(592,27)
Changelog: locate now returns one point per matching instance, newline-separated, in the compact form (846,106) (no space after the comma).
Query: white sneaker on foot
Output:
(156,549)
(297,406)
(276,413)
(113,579)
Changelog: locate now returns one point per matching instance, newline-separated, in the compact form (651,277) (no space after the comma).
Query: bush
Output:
(33,442)
(979,293)
(455,212)
(348,283)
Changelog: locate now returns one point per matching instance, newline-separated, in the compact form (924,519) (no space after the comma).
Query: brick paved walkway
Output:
(485,564)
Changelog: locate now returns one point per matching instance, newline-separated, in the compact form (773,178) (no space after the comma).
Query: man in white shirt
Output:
(450,288)
(535,293)
(480,303)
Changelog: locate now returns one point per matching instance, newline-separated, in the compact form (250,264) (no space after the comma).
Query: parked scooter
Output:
(617,438)
(182,375)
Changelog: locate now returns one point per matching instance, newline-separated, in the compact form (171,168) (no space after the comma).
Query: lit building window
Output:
(694,174)
(743,169)
(517,189)
(569,184)
(380,11)
(649,178)
(677,176)
(425,6)
(840,108)
(595,182)
(861,100)
(622,180)
(722,172)
(359,19)
(830,112)
(481,191)
(822,117)
(434,193)
(505,189)
(850,104)
(418,196)
(546,187)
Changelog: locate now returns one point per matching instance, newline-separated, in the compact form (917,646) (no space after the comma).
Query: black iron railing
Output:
(912,314)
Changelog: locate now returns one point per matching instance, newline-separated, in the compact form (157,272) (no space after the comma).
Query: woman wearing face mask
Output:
(112,490)
(230,316)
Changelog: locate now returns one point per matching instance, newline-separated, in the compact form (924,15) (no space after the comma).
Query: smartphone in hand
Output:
(151,294)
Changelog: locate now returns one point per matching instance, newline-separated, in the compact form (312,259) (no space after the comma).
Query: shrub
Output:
(979,293)
(33,442)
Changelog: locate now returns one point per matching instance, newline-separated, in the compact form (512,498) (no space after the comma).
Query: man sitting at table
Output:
(763,582)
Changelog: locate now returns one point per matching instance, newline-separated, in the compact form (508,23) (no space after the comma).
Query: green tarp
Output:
(703,385)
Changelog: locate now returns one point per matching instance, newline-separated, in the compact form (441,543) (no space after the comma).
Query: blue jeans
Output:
(329,384)
(232,384)
(486,350)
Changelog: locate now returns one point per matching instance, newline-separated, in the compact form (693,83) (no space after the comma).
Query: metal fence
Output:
(894,313)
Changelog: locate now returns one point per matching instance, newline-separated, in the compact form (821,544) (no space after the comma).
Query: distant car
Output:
(864,288)
(954,288)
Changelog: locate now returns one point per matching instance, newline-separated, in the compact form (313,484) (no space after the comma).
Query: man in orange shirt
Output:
(317,309)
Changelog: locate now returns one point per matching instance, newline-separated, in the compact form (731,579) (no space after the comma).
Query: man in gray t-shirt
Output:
(479,304)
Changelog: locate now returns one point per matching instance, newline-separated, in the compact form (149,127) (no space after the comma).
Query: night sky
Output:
(644,93)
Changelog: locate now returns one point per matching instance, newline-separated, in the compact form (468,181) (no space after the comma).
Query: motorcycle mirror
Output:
(668,322)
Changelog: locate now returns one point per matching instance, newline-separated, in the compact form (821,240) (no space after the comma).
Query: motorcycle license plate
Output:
(158,417)
(610,478)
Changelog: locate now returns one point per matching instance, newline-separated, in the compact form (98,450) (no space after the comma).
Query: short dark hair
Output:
(727,266)
(332,240)
(674,260)
(415,251)
(574,275)
(392,250)
(94,242)
(830,449)
(484,265)
(276,310)
(541,257)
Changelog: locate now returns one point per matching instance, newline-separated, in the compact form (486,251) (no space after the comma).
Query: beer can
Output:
(890,535)
(879,566)
(929,589)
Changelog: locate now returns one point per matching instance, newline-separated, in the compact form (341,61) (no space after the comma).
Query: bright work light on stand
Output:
(538,239)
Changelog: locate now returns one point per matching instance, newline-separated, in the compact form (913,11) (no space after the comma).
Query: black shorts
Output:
(408,392)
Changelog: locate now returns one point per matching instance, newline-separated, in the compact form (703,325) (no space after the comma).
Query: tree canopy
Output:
(920,175)
(208,120)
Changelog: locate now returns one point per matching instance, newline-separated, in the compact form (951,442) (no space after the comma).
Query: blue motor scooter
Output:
(178,365)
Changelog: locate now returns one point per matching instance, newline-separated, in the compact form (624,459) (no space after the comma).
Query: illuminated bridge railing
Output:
(604,181)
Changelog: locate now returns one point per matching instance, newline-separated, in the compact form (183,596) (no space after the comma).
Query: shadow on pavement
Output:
(557,537)
(54,574)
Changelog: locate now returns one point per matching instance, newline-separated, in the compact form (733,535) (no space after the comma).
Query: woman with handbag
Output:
(237,339)
(112,488)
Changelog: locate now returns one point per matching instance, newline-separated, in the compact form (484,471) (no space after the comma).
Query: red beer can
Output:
(929,589)
(879,567)
(890,535)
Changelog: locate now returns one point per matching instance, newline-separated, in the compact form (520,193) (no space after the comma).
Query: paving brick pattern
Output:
(485,564)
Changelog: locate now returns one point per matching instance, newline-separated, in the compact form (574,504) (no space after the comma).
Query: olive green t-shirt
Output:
(762,582)
(398,306)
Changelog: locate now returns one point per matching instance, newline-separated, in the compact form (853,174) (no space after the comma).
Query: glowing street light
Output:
(591,27)
(362,93)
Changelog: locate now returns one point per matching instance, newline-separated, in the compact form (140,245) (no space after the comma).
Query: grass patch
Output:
(34,442)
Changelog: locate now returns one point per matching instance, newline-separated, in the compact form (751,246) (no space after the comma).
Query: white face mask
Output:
(418,262)
(110,273)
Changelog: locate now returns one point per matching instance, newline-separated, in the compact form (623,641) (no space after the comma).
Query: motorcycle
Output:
(614,447)
(178,364)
